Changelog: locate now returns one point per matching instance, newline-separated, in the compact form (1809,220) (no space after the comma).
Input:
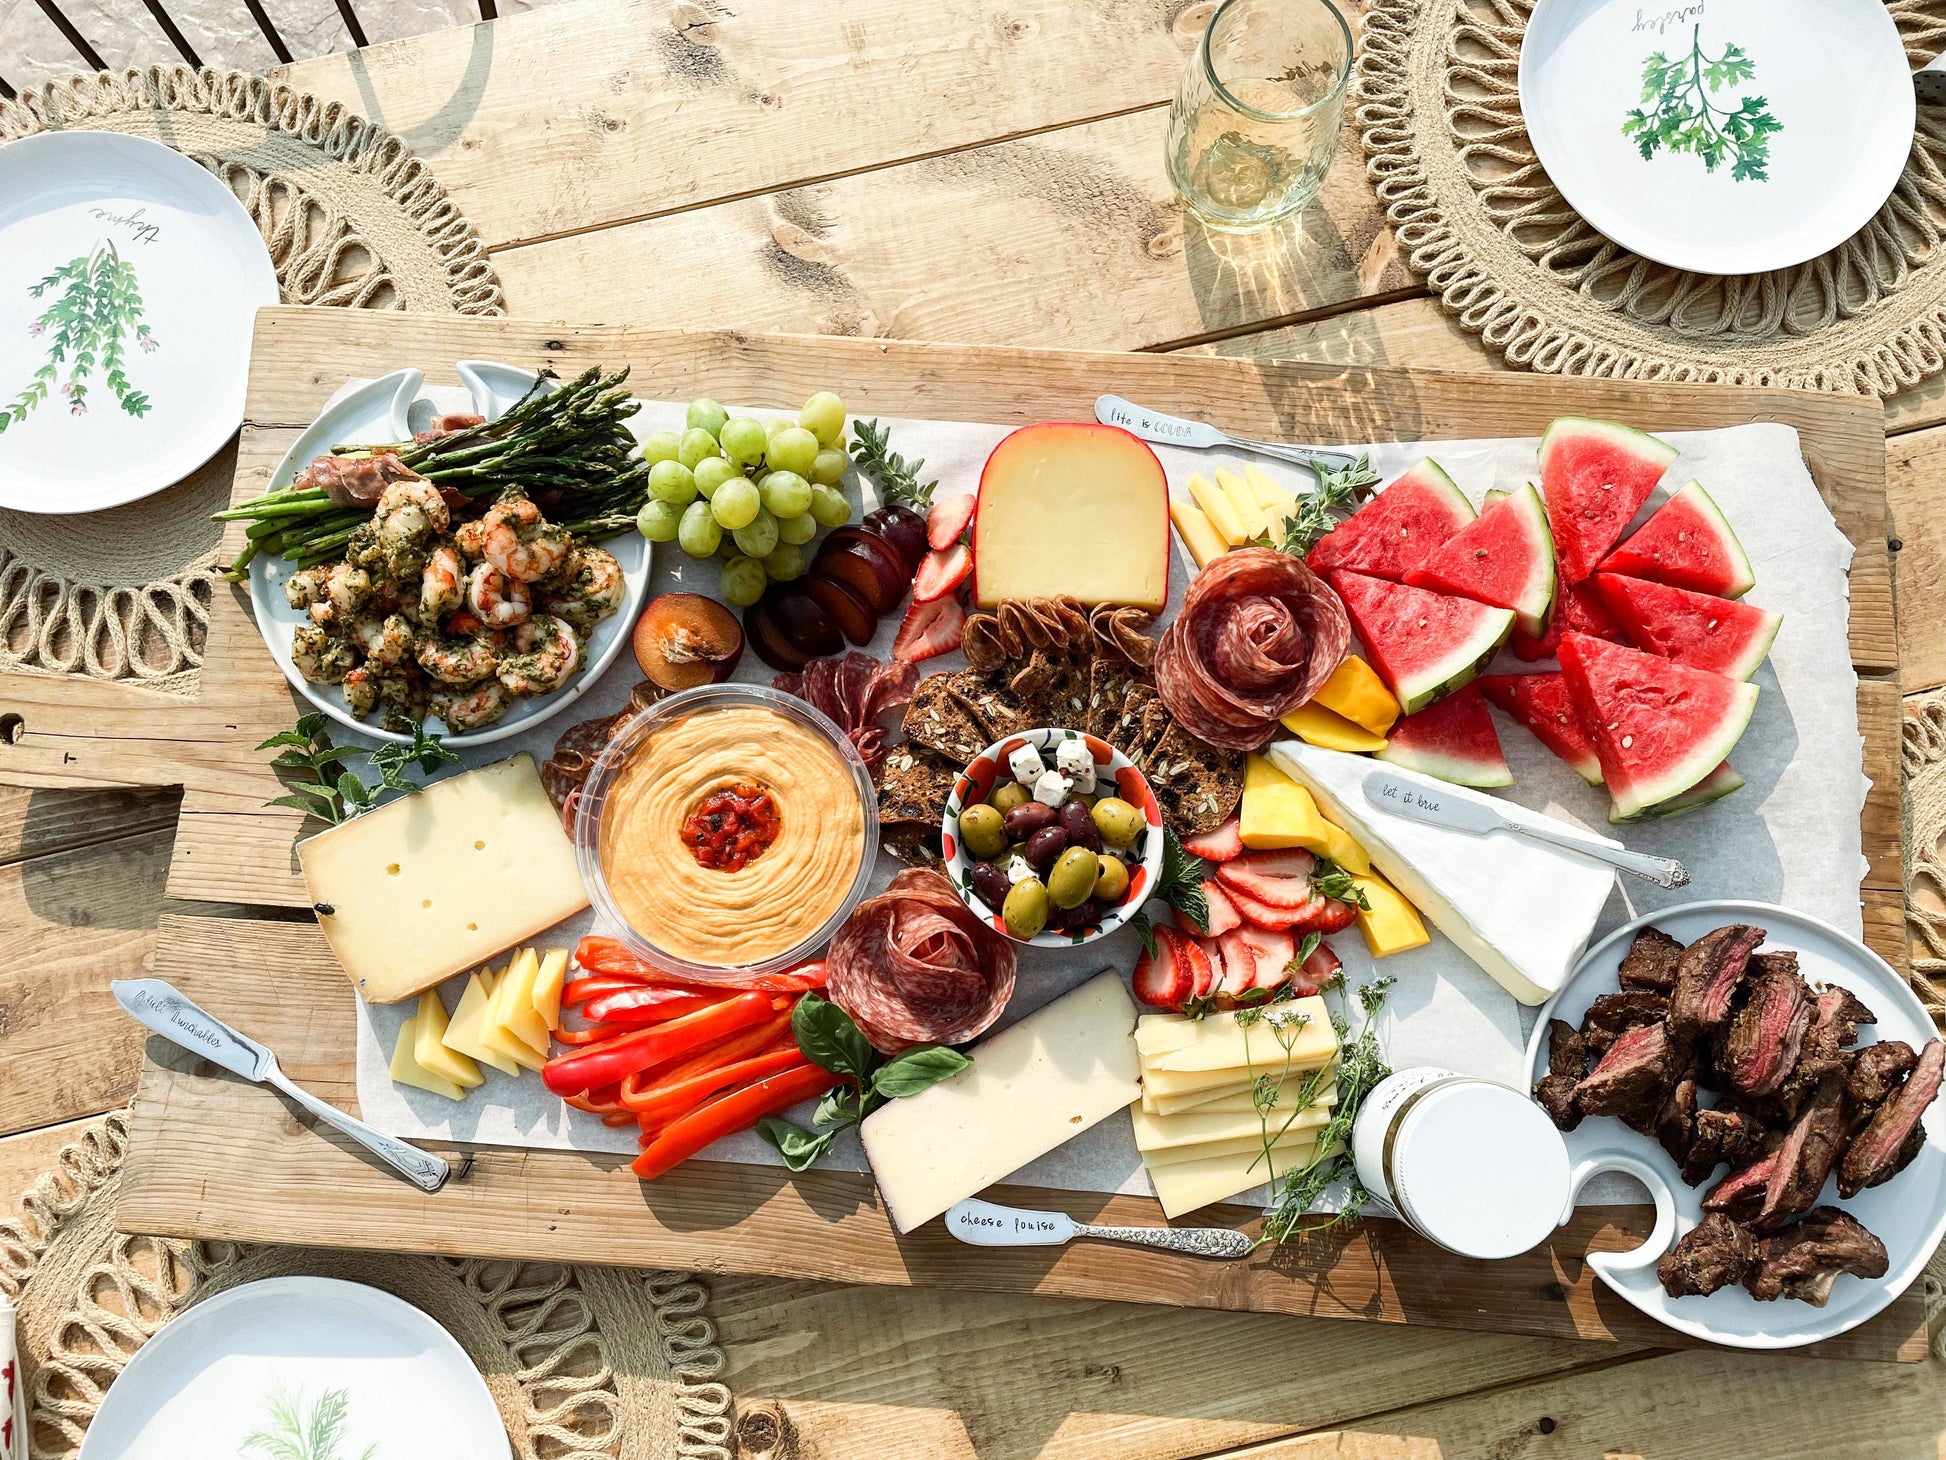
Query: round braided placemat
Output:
(351,217)
(1474,211)
(585,1363)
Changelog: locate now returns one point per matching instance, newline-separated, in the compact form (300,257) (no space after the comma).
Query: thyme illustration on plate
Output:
(1677,113)
(95,314)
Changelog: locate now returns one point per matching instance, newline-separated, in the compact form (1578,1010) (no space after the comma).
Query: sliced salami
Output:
(854,692)
(1258,634)
(914,966)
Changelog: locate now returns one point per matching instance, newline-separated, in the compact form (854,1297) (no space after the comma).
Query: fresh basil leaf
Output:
(799,1147)
(835,1107)
(829,1039)
(918,1069)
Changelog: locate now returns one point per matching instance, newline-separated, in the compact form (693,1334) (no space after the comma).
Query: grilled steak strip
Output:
(1715,1253)
(1886,1144)
(1651,962)
(1633,1078)
(1810,1150)
(1707,976)
(1805,1259)
(1767,1034)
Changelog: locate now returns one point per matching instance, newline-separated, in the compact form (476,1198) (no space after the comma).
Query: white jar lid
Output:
(1480,1169)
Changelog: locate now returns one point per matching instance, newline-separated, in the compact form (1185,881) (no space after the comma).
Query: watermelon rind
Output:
(1686,527)
(1707,747)
(1697,629)
(1451,740)
(1636,463)
(1451,568)
(1713,787)
(1418,666)
(1524,698)
(1369,541)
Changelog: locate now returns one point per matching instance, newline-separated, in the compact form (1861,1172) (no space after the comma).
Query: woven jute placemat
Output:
(585,1363)
(1439,110)
(351,217)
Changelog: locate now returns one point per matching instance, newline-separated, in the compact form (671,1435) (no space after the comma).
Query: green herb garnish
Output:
(323,787)
(1334,881)
(1180,881)
(897,478)
(1677,113)
(830,1039)
(1338,494)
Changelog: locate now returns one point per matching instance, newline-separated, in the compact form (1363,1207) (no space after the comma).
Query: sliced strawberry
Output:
(1335,917)
(1239,964)
(1194,955)
(1279,879)
(941,572)
(1223,914)
(947,520)
(1276,919)
(1318,972)
(1161,982)
(1274,954)
(929,629)
(1221,845)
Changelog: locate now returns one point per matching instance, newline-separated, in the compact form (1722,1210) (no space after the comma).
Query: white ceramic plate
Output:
(1907,1213)
(1829,75)
(390,409)
(127,371)
(222,1371)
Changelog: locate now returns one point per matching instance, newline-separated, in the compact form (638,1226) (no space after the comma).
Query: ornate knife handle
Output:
(1304,456)
(1191,1241)
(421,1168)
(1663,871)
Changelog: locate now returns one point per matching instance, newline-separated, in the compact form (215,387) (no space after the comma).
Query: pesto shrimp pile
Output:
(429,615)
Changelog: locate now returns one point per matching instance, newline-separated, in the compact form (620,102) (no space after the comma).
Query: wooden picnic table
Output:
(985,171)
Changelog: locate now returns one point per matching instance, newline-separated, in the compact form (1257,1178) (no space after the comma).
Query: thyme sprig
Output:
(1337,494)
(897,478)
(324,787)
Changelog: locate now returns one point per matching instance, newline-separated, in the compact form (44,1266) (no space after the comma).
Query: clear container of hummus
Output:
(727,831)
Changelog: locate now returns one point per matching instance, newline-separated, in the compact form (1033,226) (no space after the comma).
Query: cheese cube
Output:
(548,984)
(1279,502)
(1076,509)
(406,1069)
(1025,764)
(513,1003)
(1356,692)
(464,1031)
(1220,510)
(1390,924)
(1187,1185)
(431,1054)
(1035,1085)
(1243,498)
(428,885)
(1276,812)
(1075,761)
(1311,721)
(1205,544)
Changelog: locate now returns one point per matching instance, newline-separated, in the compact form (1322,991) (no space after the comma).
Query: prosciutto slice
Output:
(1258,635)
(854,692)
(914,966)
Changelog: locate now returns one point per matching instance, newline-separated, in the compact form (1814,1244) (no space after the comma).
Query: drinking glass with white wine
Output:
(1256,119)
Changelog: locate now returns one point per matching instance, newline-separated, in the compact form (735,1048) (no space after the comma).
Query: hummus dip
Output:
(785,893)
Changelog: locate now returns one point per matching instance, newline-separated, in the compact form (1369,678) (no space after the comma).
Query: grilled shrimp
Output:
(470,539)
(518,541)
(387,643)
(402,695)
(589,589)
(546,651)
(470,709)
(410,516)
(361,690)
(363,550)
(304,587)
(452,660)
(319,657)
(440,585)
(498,601)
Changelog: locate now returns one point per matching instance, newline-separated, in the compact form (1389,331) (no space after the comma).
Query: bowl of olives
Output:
(1053,837)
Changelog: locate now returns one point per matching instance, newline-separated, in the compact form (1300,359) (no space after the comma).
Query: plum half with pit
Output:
(683,640)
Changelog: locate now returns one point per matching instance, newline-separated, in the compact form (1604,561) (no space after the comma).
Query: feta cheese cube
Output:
(1052,788)
(1026,765)
(1075,761)
(1019,871)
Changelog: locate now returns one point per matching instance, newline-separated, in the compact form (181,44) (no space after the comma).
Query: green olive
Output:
(1072,878)
(1118,822)
(980,828)
(1111,881)
(1007,795)
(1025,911)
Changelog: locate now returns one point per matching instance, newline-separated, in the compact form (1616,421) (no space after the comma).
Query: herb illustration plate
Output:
(299,1366)
(1907,1213)
(130,279)
(1720,136)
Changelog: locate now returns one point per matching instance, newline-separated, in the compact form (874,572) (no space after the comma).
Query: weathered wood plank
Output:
(1915,467)
(41,823)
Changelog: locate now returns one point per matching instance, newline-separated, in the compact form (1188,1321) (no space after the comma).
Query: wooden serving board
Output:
(212,1156)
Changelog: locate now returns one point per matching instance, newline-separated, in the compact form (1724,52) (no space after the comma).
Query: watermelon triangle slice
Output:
(1504,557)
(1541,703)
(1578,609)
(1422,644)
(1658,727)
(1452,739)
(1717,634)
(1393,533)
(1686,544)
(1596,476)
(1713,787)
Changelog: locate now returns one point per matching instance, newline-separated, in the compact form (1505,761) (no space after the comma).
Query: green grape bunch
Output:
(1678,114)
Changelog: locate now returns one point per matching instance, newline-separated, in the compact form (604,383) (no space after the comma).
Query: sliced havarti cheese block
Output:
(465,1030)
(1243,497)
(1161,1083)
(1521,909)
(1188,1185)
(1200,1128)
(1204,542)
(548,984)
(1294,1034)
(406,1069)
(1035,1085)
(430,1052)
(1233,1100)
(1281,1149)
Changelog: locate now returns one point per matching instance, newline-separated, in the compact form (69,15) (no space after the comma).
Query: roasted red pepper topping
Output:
(732,826)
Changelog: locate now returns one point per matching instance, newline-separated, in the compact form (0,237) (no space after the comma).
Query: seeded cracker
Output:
(1196,785)
(1111,684)
(1149,730)
(988,700)
(940,723)
(1052,690)
(916,846)
(913,787)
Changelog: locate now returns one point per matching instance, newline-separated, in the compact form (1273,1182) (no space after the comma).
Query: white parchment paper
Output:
(1790,836)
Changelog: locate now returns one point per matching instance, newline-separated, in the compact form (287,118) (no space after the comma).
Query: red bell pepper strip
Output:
(646,1004)
(738,1110)
(811,975)
(618,1119)
(613,1060)
(593,1034)
(580,990)
(609,958)
(662,1101)
(756,1039)
(605,1100)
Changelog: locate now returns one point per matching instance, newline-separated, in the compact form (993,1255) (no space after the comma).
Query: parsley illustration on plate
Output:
(1678,113)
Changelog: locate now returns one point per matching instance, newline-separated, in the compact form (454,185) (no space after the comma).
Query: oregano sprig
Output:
(898,478)
(1337,494)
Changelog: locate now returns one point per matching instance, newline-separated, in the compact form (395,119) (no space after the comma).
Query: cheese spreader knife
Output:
(1164,430)
(987,1224)
(165,1009)
(1457,813)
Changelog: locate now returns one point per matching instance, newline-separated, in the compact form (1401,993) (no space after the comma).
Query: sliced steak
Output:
(1556,1096)
(1835,1017)
(1613,1015)
(1740,1195)
(1675,1123)
(1633,1078)
(1805,1259)
(1732,1136)
(1707,977)
(1767,1034)
(1651,962)
(1894,1135)
(1809,1152)
(1874,1074)
(1715,1253)
(1567,1052)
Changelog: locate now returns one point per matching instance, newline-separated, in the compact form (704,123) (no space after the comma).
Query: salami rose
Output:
(913,966)
(1258,634)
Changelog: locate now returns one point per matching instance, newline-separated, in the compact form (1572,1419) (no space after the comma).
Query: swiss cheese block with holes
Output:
(429,885)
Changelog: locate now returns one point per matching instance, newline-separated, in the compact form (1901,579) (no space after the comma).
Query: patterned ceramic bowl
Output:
(1114,774)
